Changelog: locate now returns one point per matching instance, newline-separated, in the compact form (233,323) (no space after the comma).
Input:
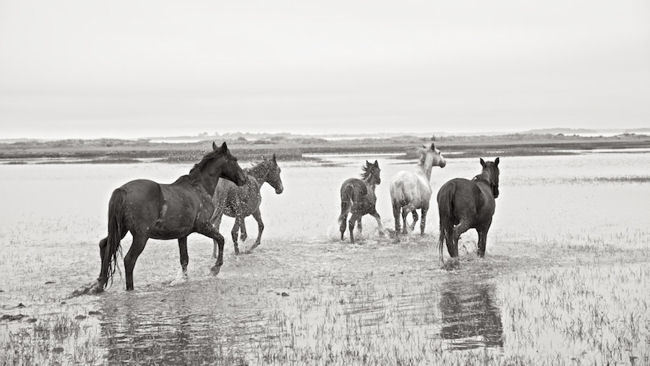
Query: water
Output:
(379,295)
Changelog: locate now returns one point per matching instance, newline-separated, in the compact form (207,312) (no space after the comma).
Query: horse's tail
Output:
(115,233)
(347,198)
(446,214)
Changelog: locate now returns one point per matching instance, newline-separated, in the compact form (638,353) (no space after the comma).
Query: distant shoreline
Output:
(110,151)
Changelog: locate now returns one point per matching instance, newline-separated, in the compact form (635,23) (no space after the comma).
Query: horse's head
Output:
(430,157)
(372,173)
(226,165)
(273,175)
(490,173)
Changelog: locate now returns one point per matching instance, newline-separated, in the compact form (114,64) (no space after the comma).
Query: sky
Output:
(135,68)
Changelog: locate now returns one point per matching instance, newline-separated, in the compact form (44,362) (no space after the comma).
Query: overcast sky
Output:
(125,68)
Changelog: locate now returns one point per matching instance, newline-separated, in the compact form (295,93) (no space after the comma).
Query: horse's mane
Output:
(257,168)
(423,157)
(367,172)
(198,167)
(482,177)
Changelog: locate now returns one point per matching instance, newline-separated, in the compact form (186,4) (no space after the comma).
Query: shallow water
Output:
(553,211)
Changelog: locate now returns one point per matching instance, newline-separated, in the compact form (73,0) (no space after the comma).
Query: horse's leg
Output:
(185,259)
(211,232)
(462,227)
(343,218)
(396,213)
(257,215)
(405,213)
(481,242)
(449,239)
(216,217)
(355,217)
(137,246)
(359,225)
(235,233)
(343,222)
(242,229)
(103,276)
(482,238)
(423,223)
(375,214)
(441,240)
(217,266)
(414,213)
(102,254)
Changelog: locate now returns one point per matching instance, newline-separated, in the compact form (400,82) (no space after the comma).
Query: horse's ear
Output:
(433,147)
(224,147)
(367,163)
(496,161)
(274,159)
(214,146)
(482,163)
(376,163)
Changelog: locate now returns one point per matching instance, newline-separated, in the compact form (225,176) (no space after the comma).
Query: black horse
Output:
(166,211)
(464,204)
(358,197)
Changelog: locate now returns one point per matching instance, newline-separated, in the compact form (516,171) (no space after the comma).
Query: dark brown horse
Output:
(240,202)
(465,204)
(358,197)
(165,211)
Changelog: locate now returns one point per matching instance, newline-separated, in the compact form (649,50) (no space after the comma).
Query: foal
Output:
(358,197)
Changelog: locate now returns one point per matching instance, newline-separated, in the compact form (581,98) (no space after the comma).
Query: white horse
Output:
(410,191)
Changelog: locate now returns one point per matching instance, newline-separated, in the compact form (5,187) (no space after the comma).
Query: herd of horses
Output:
(196,202)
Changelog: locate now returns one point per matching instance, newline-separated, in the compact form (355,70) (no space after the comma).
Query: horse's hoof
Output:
(178,280)
(451,264)
(215,270)
(94,289)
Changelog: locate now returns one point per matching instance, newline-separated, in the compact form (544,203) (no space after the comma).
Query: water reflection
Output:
(470,315)
(171,329)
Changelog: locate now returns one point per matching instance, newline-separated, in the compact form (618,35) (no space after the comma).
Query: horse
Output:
(165,211)
(465,204)
(410,191)
(240,202)
(358,197)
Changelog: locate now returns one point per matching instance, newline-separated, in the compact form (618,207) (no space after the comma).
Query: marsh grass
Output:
(59,339)
(590,314)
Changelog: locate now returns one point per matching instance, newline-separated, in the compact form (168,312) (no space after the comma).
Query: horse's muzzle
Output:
(443,163)
(279,190)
